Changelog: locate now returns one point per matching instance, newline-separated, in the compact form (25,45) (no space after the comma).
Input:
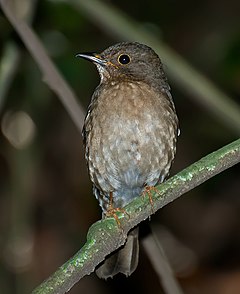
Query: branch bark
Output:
(104,236)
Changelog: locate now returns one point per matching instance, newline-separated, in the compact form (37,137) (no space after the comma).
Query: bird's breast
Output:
(131,136)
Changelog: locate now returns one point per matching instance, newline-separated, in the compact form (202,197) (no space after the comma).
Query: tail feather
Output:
(124,260)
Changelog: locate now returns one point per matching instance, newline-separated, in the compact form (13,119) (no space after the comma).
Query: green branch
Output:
(104,236)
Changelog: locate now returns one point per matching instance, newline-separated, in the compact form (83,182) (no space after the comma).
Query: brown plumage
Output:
(129,134)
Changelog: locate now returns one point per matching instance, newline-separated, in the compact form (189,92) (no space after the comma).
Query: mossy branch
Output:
(104,236)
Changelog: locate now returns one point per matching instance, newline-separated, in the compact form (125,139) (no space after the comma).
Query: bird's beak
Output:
(93,57)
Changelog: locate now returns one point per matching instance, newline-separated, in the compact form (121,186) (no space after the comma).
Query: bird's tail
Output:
(124,260)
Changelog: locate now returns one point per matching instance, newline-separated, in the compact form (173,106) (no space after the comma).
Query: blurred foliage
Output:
(46,203)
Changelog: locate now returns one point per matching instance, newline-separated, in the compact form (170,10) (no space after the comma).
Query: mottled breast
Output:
(130,137)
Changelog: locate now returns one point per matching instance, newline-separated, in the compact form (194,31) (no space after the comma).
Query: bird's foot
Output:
(147,190)
(112,211)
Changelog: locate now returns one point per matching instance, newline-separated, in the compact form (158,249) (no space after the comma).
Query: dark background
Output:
(46,202)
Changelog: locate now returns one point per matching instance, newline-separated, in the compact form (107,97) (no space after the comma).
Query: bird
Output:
(129,134)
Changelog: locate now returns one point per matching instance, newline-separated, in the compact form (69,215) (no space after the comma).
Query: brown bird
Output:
(130,133)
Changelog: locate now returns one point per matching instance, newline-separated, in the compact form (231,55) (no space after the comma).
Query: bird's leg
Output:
(111,211)
(147,190)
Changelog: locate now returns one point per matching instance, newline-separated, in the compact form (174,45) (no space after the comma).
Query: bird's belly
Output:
(134,144)
(131,156)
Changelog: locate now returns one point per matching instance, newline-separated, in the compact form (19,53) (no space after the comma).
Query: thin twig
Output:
(161,265)
(104,236)
(8,66)
(11,53)
(51,75)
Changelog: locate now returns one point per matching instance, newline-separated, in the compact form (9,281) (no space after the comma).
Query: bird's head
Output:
(127,61)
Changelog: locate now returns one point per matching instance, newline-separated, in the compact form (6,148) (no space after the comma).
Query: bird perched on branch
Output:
(130,133)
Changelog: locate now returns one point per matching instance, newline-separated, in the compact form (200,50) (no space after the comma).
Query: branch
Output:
(104,236)
(51,75)
(11,54)
(161,265)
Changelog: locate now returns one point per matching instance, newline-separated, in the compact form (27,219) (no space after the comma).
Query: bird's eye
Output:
(124,59)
